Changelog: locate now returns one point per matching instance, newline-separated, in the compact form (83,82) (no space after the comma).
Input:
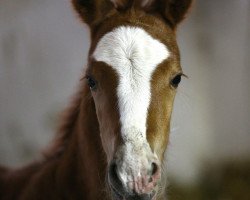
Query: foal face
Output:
(134,70)
(133,75)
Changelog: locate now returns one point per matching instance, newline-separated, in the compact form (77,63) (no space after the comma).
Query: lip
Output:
(117,188)
(117,196)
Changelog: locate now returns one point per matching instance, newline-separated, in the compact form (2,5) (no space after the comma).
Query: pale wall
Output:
(43,49)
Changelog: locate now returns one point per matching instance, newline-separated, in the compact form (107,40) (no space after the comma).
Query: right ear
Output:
(92,11)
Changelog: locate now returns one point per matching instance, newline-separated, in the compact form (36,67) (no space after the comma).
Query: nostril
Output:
(154,172)
(112,169)
(113,173)
(114,180)
(154,168)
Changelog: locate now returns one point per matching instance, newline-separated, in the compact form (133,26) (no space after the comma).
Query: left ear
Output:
(92,11)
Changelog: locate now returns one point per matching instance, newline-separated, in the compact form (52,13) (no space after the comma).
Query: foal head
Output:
(133,73)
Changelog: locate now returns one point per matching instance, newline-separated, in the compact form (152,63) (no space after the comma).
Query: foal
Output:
(112,141)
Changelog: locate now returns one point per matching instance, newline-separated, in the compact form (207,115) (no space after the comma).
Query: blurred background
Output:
(43,50)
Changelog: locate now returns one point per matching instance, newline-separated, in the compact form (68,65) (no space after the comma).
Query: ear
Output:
(175,10)
(92,11)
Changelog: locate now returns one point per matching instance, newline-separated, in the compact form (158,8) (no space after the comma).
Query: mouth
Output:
(117,196)
(118,193)
(117,190)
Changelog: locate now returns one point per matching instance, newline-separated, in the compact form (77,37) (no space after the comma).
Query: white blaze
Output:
(134,55)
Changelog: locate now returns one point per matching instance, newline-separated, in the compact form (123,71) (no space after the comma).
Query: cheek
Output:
(108,144)
(109,128)
(158,122)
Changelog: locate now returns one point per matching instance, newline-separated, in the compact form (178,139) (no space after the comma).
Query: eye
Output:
(91,82)
(176,80)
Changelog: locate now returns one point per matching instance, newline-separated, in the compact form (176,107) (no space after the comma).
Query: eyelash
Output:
(91,82)
(177,79)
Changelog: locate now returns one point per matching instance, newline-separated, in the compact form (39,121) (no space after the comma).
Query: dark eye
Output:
(91,82)
(176,80)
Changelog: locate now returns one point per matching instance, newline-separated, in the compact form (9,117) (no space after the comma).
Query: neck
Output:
(83,162)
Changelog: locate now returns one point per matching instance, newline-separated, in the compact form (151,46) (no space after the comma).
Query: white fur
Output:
(134,55)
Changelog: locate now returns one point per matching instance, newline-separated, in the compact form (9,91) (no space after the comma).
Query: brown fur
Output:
(65,173)
(162,92)
(75,165)
(172,11)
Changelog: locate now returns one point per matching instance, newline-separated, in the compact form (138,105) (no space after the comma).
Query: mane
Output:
(67,121)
